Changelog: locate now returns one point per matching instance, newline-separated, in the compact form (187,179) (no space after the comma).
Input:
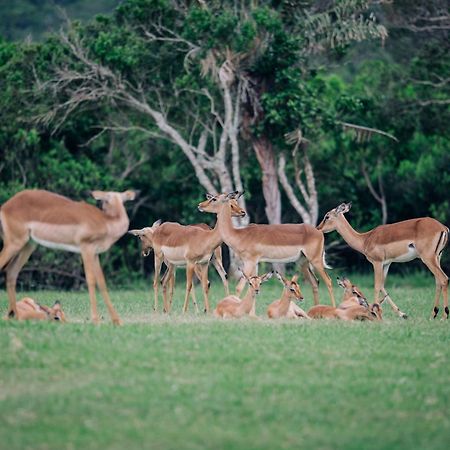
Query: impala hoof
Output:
(404,316)
(117,322)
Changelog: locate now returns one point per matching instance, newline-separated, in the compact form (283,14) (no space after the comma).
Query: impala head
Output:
(112,200)
(353,290)
(255,281)
(55,312)
(213,203)
(331,218)
(146,237)
(376,311)
(292,286)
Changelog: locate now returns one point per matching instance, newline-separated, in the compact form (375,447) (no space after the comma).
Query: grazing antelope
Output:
(186,245)
(28,309)
(33,217)
(233,306)
(352,294)
(271,243)
(168,280)
(423,238)
(285,306)
(356,312)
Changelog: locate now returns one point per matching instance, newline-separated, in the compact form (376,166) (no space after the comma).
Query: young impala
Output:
(285,306)
(233,306)
(352,294)
(29,309)
(356,312)
(186,245)
(271,243)
(34,217)
(423,238)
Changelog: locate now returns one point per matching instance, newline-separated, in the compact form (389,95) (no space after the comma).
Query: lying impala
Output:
(34,217)
(29,309)
(271,243)
(423,238)
(285,306)
(233,307)
(146,237)
(352,294)
(356,312)
(186,245)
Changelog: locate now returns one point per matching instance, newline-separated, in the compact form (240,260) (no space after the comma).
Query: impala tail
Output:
(442,242)
(325,262)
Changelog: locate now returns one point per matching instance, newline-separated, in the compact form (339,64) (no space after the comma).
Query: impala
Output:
(33,217)
(233,306)
(285,306)
(423,238)
(271,243)
(352,294)
(185,245)
(168,280)
(356,312)
(29,309)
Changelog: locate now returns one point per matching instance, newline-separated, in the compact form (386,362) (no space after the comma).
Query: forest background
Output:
(177,98)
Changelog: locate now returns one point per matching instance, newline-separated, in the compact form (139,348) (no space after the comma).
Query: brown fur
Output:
(423,238)
(29,309)
(356,312)
(38,216)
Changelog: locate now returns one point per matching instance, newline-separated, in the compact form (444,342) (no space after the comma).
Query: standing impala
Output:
(186,245)
(34,217)
(423,238)
(168,280)
(271,243)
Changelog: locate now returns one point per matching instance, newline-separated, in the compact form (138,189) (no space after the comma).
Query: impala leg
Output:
(89,272)
(167,283)
(158,263)
(190,268)
(172,287)
(441,278)
(312,279)
(318,265)
(205,285)
(12,272)
(101,283)
(218,265)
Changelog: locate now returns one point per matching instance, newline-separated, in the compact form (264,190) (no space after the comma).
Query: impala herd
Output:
(33,217)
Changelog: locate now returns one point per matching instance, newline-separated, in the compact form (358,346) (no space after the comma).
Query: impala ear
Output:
(240,194)
(242,273)
(157,223)
(343,208)
(129,195)
(136,232)
(232,195)
(100,195)
(209,196)
(340,282)
(57,305)
(294,278)
(267,276)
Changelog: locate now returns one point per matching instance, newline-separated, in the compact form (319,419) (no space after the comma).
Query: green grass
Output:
(193,382)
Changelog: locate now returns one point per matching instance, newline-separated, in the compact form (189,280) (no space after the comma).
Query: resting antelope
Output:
(233,306)
(271,243)
(168,280)
(352,294)
(356,312)
(28,309)
(186,245)
(34,217)
(423,238)
(285,306)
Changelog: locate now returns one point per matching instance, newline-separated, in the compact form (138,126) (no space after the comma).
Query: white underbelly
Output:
(406,257)
(174,255)
(281,254)
(56,245)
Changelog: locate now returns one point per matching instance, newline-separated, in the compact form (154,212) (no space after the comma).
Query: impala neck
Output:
(225,224)
(351,236)
(285,299)
(117,218)
(247,302)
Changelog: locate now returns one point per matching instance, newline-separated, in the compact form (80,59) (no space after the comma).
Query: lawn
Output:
(194,382)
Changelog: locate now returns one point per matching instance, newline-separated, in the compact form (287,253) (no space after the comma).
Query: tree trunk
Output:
(271,192)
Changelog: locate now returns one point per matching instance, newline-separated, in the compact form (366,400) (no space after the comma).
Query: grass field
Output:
(194,382)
